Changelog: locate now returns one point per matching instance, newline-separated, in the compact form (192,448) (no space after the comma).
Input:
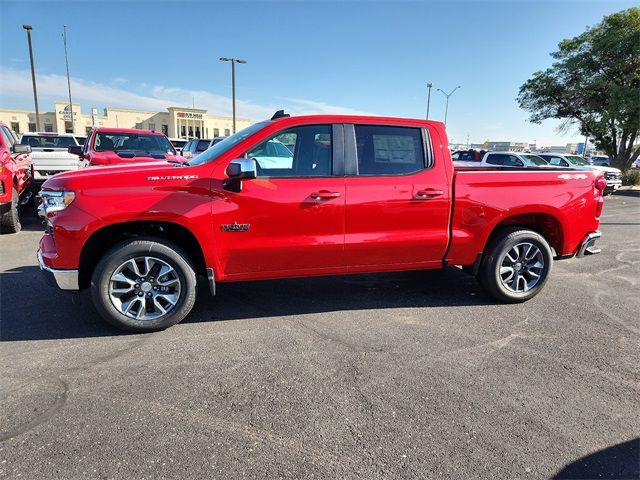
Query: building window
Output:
(198,132)
(139,126)
(227,132)
(183,131)
(87,130)
(152,126)
(48,127)
(190,132)
(68,127)
(216,132)
(207,132)
(15,126)
(32,127)
(165,129)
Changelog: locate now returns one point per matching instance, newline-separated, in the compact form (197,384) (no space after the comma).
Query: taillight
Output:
(601,184)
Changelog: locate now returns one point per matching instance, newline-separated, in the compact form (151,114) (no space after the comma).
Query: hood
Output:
(118,175)
(124,156)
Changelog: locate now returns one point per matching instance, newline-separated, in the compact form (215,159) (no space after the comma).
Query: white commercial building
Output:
(176,122)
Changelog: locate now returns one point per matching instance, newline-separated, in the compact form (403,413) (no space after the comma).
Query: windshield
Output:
(535,160)
(219,148)
(48,141)
(576,160)
(133,142)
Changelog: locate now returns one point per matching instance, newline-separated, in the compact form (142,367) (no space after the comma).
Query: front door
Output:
(398,200)
(290,219)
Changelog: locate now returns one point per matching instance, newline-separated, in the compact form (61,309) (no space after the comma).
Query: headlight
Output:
(54,201)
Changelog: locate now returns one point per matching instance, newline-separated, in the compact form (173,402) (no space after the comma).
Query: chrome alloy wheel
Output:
(144,288)
(521,267)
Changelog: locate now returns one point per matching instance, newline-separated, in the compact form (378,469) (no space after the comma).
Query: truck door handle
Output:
(324,194)
(428,193)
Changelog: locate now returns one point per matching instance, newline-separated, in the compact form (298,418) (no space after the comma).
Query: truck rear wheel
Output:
(10,219)
(144,285)
(516,265)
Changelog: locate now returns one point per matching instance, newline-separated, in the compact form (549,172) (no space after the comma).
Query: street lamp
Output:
(66,61)
(28,28)
(446,110)
(233,85)
(429,85)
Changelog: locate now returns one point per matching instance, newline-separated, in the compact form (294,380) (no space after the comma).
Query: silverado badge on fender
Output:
(235,227)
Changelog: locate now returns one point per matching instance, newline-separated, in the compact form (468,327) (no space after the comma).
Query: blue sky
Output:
(371,57)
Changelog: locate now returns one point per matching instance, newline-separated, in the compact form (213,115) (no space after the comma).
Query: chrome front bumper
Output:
(63,279)
(588,245)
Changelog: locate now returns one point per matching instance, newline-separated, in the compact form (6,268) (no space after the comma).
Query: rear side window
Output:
(556,161)
(384,150)
(202,145)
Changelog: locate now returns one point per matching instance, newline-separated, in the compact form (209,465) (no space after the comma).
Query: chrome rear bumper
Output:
(63,279)
(588,245)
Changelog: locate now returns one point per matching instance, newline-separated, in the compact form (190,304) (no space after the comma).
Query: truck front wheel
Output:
(144,285)
(516,265)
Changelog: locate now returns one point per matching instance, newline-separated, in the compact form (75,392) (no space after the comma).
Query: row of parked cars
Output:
(30,159)
(473,158)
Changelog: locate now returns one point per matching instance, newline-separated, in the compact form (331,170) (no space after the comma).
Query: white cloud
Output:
(51,87)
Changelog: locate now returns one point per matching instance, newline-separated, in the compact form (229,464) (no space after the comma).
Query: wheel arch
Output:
(543,223)
(106,237)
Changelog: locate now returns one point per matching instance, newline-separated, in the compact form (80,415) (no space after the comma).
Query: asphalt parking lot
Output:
(404,375)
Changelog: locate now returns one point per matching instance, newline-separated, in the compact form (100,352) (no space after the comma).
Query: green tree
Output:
(594,84)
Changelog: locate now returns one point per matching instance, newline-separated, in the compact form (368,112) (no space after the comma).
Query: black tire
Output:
(498,246)
(10,219)
(130,249)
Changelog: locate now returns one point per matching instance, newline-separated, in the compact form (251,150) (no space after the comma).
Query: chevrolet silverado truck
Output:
(16,176)
(50,153)
(361,194)
(113,146)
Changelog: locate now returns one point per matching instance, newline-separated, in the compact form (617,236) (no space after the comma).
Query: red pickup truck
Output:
(113,146)
(347,194)
(16,178)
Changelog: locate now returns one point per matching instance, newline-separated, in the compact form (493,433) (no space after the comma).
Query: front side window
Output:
(386,150)
(535,160)
(312,158)
(555,161)
(496,159)
(7,137)
(512,161)
(579,161)
(202,145)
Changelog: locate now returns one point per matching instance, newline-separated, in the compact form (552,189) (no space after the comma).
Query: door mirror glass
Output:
(75,150)
(238,170)
(17,148)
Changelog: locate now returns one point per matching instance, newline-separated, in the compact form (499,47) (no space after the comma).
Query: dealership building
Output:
(176,122)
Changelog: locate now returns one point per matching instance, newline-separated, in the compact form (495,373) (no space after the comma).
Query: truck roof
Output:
(48,134)
(357,119)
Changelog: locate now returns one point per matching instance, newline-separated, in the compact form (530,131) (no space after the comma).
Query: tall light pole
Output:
(66,60)
(233,85)
(429,85)
(446,110)
(28,28)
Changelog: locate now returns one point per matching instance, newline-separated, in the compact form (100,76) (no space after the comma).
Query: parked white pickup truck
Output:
(50,153)
(506,159)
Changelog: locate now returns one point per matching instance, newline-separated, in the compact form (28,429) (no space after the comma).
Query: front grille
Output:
(612,175)
(1,188)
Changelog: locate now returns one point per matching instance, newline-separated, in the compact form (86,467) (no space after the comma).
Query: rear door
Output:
(398,197)
(290,219)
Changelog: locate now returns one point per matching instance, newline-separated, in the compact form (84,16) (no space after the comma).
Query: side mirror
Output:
(238,170)
(187,154)
(75,150)
(17,148)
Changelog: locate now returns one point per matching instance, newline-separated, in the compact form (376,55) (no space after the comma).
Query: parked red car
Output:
(114,146)
(354,194)
(16,177)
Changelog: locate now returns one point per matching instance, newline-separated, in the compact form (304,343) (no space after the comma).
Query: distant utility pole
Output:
(28,28)
(429,85)
(233,85)
(446,110)
(66,60)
